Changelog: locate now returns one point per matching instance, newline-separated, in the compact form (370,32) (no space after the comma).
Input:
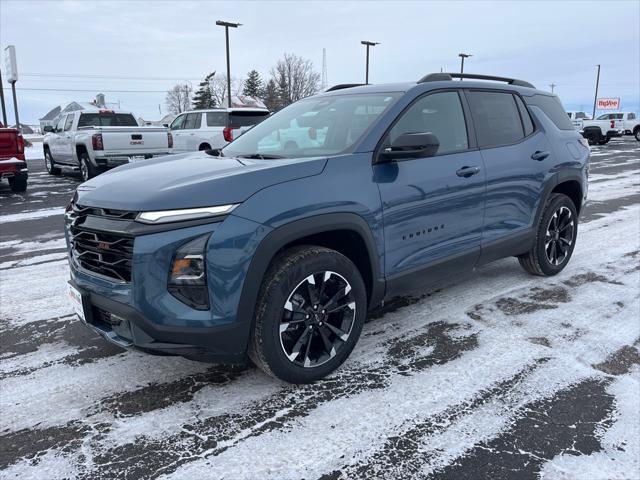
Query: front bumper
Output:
(143,315)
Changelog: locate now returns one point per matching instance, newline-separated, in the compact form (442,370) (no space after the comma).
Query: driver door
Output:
(432,207)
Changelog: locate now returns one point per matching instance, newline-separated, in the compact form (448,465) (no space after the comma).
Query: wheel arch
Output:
(204,146)
(567,184)
(334,230)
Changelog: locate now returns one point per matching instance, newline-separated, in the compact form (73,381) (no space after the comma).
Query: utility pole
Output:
(595,99)
(462,57)
(323,83)
(368,44)
(552,85)
(226,26)
(4,109)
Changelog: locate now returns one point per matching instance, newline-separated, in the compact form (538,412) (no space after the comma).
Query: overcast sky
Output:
(161,42)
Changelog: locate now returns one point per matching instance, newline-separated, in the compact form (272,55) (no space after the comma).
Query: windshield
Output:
(107,119)
(313,127)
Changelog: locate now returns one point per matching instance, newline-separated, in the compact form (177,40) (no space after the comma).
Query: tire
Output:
(50,165)
(87,170)
(293,338)
(636,133)
(204,146)
(593,137)
(540,260)
(18,184)
(604,141)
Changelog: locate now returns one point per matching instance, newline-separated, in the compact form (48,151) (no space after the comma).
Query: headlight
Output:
(188,275)
(166,216)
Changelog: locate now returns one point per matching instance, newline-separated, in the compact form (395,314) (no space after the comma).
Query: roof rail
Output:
(341,86)
(437,77)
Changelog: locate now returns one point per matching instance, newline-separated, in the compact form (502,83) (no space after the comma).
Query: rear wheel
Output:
(87,170)
(18,184)
(604,141)
(309,314)
(593,137)
(636,133)
(555,238)
(50,164)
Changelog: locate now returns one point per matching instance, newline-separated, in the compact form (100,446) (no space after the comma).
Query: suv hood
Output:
(190,180)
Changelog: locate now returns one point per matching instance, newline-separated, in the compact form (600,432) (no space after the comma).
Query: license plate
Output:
(135,158)
(75,298)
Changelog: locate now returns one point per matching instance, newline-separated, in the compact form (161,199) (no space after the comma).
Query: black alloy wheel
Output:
(559,237)
(317,319)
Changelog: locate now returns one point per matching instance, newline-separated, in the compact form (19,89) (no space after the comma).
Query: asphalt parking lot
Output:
(495,374)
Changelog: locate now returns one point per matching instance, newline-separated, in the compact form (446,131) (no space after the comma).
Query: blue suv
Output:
(276,246)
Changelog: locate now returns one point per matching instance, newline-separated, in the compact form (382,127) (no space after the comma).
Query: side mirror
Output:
(48,129)
(412,145)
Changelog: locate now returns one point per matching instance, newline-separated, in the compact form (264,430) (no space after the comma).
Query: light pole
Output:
(368,44)
(595,98)
(462,57)
(553,86)
(226,26)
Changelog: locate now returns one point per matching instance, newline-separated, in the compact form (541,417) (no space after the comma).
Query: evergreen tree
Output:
(253,85)
(203,97)
(270,96)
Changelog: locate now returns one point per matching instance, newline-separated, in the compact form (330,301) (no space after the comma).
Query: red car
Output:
(13,166)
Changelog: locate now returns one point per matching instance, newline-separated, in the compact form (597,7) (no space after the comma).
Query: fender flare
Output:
(285,234)
(553,182)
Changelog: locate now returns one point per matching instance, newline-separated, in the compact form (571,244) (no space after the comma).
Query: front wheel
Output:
(309,314)
(604,141)
(555,238)
(49,164)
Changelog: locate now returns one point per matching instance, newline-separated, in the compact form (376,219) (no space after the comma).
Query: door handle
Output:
(539,156)
(467,171)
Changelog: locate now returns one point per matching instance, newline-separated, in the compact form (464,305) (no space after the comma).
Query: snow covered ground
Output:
(495,374)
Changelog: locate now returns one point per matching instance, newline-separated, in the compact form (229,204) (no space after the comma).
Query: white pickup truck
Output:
(609,125)
(577,118)
(94,141)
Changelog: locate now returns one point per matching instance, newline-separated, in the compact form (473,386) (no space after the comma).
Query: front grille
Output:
(106,253)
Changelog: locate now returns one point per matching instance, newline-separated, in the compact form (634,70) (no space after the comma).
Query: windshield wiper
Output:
(260,156)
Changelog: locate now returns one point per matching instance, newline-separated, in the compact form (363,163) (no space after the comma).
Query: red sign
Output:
(608,103)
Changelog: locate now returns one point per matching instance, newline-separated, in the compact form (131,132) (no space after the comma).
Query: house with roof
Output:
(51,118)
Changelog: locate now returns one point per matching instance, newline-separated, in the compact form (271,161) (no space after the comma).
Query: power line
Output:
(92,90)
(109,77)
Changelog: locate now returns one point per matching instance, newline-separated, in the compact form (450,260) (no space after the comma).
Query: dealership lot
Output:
(496,373)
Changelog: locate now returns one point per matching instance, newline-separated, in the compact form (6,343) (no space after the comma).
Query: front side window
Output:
(496,118)
(606,116)
(440,114)
(631,116)
(60,124)
(315,126)
(178,123)
(68,123)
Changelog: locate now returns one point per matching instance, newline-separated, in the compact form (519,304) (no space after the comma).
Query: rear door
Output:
(432,207)
(517,157)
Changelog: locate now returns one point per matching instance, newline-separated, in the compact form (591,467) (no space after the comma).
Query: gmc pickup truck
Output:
(609,125)
(12,163)
(94,141)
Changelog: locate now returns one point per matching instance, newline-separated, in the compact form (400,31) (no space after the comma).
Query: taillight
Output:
(20,142)
(170,139)
(96,141)
(227,133)
(613,124)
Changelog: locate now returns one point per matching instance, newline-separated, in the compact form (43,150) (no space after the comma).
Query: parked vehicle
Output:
(13,166)
(609,125)
(278,254)
(213,129)
(97,141)
(577,118)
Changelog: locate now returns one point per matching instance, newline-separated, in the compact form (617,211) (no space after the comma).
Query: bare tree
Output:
(295,78)
(178,99)
(218,84)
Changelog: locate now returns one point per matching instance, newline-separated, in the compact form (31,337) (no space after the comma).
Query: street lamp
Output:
(226,26)
(462,57)
(368,44)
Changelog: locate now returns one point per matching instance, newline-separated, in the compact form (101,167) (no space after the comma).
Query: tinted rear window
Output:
(107,120)
(216,119)
(496,118)
(553,109)
(246,119)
